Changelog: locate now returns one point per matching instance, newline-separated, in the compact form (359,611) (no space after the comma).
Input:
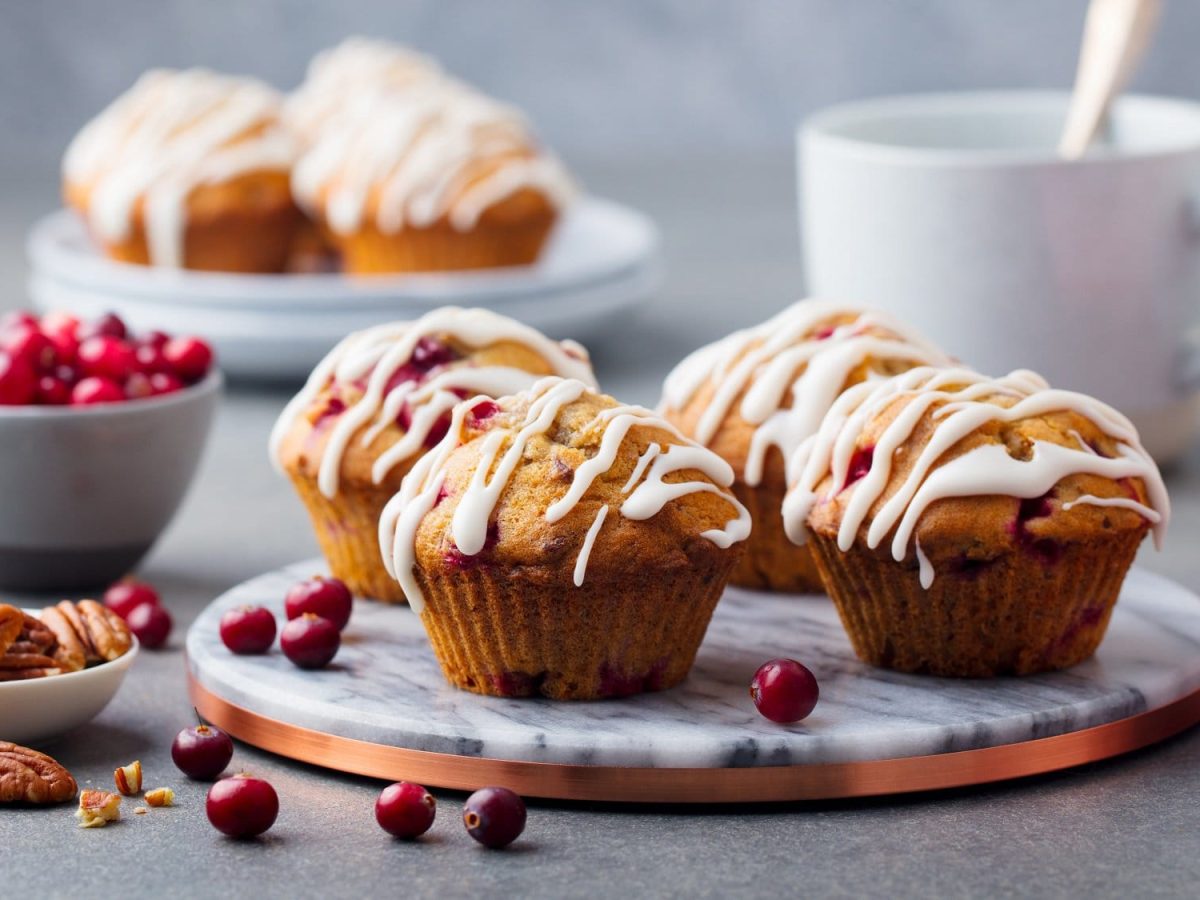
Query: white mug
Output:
(954,212)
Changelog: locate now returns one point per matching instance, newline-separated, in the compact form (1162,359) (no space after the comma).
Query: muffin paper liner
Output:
(347,529)
(1015,615)
(772,562)
(516,632)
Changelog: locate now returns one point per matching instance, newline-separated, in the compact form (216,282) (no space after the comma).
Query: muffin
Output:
(557,543)
(758,394)
(406,169)
(188,169)
(972,527)
(379,400)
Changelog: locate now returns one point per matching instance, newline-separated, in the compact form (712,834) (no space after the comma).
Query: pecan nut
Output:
(70,652)
(27,776)
(108,632)
(12,622)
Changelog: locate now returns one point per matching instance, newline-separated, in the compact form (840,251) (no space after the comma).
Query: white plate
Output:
(602,260)
(42,708)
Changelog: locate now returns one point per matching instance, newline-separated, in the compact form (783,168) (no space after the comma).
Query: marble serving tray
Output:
(385,692)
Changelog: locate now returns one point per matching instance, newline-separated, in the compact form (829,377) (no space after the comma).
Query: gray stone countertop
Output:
(1126,827)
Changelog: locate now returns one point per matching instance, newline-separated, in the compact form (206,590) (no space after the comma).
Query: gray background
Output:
(599,77)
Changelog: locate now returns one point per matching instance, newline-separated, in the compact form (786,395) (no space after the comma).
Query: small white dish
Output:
(41,708)
(601,261)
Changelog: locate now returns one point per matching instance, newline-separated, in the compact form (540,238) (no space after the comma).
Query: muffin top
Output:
(768,387)
(172,134)
(393,142)
(554,480)
(384,395)
(966,467)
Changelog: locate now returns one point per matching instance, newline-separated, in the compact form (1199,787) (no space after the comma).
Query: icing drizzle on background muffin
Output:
(172,132)
(406,372)
(502,449)
(958,403)
(788,371)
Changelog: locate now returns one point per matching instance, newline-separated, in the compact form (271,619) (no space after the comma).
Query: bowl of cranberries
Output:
(101,432)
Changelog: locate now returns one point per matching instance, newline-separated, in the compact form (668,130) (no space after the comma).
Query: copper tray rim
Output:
(750,784)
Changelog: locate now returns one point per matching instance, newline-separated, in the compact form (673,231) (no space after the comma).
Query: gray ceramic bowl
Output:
(84,493)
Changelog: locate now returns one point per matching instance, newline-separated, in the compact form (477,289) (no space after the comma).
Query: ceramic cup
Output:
(954,212)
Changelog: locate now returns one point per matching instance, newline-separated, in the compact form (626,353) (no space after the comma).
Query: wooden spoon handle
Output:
(1115,36)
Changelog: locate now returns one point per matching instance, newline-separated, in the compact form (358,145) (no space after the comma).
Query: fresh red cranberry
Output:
(151,623)
(494,816)
(784,691)
(66,373)
(405,810)
(310,641)
(151,359)
(202,751)
(190,358)
(125,596)
(154,339)
(30,345)
(90,391)
(164,383)
(242,806)
(53,391)
(17,381)
(108,325)
(321,596)
(138,387)
(248,629)
(107,357)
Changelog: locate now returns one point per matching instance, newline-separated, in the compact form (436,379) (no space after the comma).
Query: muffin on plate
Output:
(558,543)
(383,397)
(406,169)
(755,396)
(188,169)
(971,527)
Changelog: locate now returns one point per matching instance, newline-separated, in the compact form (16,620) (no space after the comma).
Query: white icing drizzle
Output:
(926,567)
(391,135)
(172,132)
(377,354)
(1122,502)
(778,360)
(962,400)
(503,449)
(586,550)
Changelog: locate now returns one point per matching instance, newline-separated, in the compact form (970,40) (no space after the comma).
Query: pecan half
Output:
(108,632)
(12,622)
(71,652)
(27,776)
(71,613)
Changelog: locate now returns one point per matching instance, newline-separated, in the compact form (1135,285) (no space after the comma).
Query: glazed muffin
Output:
(383,397)
(188,169)
(415,171)
(557,543)
(755,396)
(973,527)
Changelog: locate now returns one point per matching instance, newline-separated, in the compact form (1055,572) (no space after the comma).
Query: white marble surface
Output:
(385,687)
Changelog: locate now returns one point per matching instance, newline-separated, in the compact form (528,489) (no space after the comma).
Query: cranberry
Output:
(321,596)
(91,391)
(151,623)
(138,387)
(784,691)
(30,345)
(248,629)
(151,359)
(482,411)
(189,357)
(860,464)
(107,357)
(242,806)
(405,810)
(202,751)
(154,339)
(164,383)
(430,353)
(108,325)
(310,641)
(494,816)
(52,391)
(17,382)
(125,596)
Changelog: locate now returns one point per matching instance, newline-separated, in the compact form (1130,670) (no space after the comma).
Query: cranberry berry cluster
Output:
(61,360)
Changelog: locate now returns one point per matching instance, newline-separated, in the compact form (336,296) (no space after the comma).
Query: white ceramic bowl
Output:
(42,708)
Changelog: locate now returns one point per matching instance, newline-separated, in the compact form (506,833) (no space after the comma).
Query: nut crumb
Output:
(98,808)
(128,779)
(140,811)
(163,796)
